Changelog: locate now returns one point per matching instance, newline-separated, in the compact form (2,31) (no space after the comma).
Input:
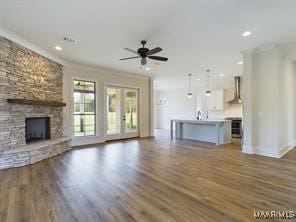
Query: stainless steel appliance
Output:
(237,91)
(236,126)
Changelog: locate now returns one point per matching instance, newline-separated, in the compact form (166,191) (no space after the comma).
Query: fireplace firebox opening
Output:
(37,128)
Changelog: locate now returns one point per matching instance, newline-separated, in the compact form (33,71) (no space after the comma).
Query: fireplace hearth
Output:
(37,128)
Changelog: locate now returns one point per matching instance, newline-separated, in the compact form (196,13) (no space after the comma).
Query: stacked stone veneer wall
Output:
(25,74)
(33,153)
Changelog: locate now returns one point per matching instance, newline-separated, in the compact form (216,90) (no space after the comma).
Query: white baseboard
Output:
(287,148)
(145,133)
(152,133)
(80,141)
(264,151)
(88,140)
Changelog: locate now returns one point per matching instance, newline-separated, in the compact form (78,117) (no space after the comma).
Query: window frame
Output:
(94,92)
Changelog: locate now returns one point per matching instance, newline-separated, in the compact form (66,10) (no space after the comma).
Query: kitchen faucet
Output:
(198,115)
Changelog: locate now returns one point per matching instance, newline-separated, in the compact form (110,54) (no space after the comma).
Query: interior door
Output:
(121,113)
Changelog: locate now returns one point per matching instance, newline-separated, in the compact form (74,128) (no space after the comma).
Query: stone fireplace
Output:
(31,107)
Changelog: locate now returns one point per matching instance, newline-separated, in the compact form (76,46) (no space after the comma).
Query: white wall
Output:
(294,71)
(178,106)
(156,110)
(264,103)
(287,120)
(103,77)
(269,114)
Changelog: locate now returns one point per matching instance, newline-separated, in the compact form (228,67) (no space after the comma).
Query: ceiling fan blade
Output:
(159,58)
(130,50)
(154,51)
(134,57)
(143,61)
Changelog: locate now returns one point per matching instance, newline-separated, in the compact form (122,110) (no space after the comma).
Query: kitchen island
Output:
(213,131)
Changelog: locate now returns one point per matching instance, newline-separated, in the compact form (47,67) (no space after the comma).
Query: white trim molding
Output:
(267,151)
(25,43)
(87,140)
(286,149)
(122,134)
(263,151)
(144,134)
(102,70)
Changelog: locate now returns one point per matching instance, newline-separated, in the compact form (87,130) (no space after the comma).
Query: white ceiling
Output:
(194,34)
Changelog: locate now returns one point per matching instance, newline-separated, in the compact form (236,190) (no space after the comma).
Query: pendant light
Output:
(189,94)
(208,92)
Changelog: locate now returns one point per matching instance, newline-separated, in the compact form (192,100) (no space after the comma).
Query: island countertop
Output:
(209,130)
(208,121)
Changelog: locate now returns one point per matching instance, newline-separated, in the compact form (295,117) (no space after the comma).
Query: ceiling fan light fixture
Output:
(143,53)
(143,61)
(208,93)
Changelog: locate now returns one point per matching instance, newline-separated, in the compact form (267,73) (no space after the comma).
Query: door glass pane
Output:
(113,110)
(131,106)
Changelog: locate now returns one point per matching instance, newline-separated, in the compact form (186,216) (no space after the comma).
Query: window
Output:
(84,108)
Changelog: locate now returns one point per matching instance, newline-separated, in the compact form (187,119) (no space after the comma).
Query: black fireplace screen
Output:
(37,128)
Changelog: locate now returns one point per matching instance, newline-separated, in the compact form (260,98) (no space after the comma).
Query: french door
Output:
(122,119)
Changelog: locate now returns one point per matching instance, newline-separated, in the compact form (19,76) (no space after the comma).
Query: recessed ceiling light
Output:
(240,62)
(198,79)
(246,33)
(147,68)
(221,74)
(59,48)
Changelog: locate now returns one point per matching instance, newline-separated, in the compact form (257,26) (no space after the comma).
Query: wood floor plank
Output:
(153,179)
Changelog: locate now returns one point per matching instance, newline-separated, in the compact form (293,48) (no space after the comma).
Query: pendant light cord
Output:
(208,76)
(189,82)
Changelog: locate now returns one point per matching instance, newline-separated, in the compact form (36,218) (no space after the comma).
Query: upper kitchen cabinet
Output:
(216,100)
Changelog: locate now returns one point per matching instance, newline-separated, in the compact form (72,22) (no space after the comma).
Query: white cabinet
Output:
(216,100)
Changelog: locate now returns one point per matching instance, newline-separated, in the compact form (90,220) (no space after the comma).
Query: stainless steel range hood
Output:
(237,96)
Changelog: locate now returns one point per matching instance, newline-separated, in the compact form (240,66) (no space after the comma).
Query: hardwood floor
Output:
(149,180)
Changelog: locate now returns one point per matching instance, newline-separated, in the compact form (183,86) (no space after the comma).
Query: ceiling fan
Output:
(145,53)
